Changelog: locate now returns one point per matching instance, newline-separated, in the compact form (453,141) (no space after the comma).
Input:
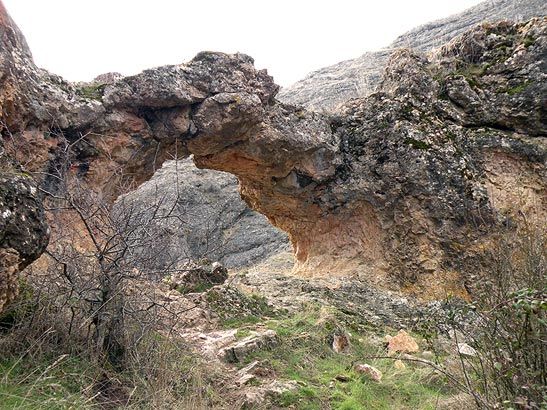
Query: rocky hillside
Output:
(416,216)
(328,87)
(402,188)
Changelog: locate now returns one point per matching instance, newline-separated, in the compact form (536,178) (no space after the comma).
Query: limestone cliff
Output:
(329,87)
(401,188)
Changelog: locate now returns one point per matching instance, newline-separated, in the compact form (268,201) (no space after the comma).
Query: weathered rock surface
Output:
(24,232)
(199,214)
(197,278)
(329,87)
(238,351)
(256,397)
(401,188)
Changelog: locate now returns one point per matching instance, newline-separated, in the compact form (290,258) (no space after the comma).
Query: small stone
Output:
(427,355)
(246,378)
(465,350)
(277,387)
(372,372)
(399,365)
(402,343)
(342,378)
(249,368)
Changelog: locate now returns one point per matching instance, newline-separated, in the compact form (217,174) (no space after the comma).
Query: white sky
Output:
(80,39)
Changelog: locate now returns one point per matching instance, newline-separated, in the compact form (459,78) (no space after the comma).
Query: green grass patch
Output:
(45,383)
(92,92)
(197,288)
(518,89)
(529,41)
(236,308)
(304,354)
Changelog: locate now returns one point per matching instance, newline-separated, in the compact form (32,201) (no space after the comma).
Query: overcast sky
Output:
(80,39)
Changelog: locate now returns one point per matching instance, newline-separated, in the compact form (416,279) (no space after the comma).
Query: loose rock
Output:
(465,350)
(372,372)
(238,351)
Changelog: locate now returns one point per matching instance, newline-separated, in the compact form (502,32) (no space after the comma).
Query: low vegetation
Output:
(46,382)
(328,380)
(91,91)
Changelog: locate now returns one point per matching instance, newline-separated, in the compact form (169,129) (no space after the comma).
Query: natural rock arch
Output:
(394,184)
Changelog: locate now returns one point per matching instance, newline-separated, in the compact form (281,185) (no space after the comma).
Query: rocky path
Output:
(229,350)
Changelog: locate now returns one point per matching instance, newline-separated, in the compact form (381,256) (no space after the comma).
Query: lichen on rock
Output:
(24,231)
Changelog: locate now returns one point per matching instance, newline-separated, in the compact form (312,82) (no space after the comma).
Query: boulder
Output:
(24,232)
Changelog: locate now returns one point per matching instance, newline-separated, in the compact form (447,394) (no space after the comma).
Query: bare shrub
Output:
(506,324)
(92,294)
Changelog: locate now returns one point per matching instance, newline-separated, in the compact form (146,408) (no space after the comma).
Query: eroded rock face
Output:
(396,186)
(329,87)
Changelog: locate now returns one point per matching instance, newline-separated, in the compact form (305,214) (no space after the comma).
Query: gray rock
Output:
(328,87)
(197,214)
(256,397)
(465,350)
(238,351)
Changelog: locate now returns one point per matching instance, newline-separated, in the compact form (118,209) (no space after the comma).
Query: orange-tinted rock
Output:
(402,342)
